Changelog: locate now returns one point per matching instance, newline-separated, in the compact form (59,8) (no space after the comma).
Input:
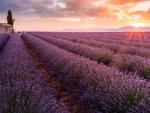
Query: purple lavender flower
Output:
(22,89)
(99,87)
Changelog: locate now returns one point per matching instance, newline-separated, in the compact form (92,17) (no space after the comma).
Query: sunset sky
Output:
(52,15)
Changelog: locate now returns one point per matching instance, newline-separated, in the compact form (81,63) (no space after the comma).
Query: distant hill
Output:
(132,28)
(121,29)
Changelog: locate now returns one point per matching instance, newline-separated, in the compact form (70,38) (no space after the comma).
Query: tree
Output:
(10,19)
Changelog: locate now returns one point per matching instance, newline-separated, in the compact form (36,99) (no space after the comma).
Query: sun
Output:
(137,24)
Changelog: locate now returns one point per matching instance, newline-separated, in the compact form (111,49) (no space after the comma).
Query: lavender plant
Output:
(22,88)
(101,55)
(117,48)
(142,107)
(130,63)
(127,46)
(94,36)
(99,87)
(3,39)
(123,62)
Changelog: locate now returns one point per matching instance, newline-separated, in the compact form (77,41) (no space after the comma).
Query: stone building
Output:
(6,28)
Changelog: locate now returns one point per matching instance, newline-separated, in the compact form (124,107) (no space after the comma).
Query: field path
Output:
(58,91)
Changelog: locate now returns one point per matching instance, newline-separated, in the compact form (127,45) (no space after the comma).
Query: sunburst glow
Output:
(137,24)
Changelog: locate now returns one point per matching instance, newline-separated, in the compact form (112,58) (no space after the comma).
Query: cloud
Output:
(123,2)
(52,7)
(81,7)
(75,10)
(145,15)
(58,8)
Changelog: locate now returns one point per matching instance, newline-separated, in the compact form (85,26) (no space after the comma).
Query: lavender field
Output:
(75,72)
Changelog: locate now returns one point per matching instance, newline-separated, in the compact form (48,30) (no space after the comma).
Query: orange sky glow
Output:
(53,15)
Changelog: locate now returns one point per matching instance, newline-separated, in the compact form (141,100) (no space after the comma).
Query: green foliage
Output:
(10,19)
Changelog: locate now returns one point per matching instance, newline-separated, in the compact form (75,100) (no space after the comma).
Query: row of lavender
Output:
(118,36)
(140,43)
(127,40)
(132,39)
(22,88)
(99,87)
(123,46)
(124,62)
(116,46)
(3,39)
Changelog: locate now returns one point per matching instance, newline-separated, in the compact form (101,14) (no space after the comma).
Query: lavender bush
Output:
(122,45)
(113,47)
(142,107)
(101,55)
(126,46)
(130,63)
(22,88)
(3,39)
(99,87)
(117,37)
(124,62)
(117,48)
